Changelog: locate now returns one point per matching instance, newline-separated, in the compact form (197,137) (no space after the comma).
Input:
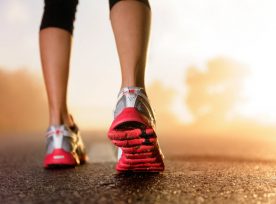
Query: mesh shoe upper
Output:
(135,97)
(62,137)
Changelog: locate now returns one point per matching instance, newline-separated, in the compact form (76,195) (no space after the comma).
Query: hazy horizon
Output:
(210,67)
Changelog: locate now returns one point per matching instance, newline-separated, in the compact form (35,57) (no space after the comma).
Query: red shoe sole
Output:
(62,159)
(139,145)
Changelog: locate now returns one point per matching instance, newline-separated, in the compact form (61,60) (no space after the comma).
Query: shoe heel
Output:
(129,115)
(59,158)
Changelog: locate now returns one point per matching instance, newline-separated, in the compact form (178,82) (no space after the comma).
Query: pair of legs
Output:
(130,21)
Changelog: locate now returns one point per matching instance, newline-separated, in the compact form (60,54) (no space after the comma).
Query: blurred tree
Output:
(23,104)
(161,98)
(213,93)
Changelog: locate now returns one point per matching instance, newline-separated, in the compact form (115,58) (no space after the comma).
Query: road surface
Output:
(195,173)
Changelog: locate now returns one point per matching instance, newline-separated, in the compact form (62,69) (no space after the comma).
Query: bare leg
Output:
(55,46)
(131,26)
(133,117)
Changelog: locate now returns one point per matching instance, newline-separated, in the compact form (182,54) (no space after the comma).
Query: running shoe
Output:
(64,147)
(133,132)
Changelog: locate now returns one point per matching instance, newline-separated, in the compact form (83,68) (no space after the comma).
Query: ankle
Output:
(61,118)
(132,82)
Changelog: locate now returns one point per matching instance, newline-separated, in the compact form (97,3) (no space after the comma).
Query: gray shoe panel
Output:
(136,99)
(70,141)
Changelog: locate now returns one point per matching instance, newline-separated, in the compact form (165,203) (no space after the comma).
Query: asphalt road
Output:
(192,175)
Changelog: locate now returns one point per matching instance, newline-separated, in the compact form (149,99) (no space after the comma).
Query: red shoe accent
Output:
(152,163)
(130,134)
(59,157)
(129,115)
(139,155)
(139,145)
(134,142)
(138,161)
(146,165)
(138,149)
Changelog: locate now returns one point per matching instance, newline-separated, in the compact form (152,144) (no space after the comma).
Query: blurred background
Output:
(210,73)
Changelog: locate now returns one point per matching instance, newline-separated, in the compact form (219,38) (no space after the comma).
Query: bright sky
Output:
(183,33)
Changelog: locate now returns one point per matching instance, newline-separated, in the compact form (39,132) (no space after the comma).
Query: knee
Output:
(59,13)
(113,2)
